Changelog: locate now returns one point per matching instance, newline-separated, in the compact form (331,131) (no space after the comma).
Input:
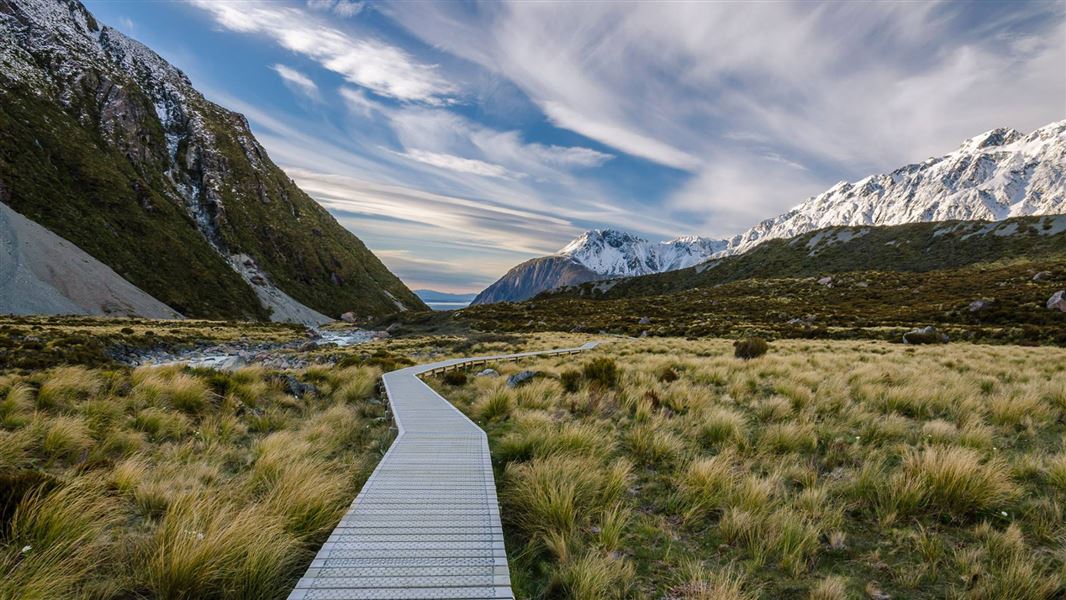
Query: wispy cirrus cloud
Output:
(704,118)
(382,68)
(458,163)
(342,8)
(297,81)
(725,90)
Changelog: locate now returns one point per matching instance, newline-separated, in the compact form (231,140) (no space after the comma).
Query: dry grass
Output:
(822,469)
(172,483)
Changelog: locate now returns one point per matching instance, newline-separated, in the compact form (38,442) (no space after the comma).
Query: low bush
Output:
(601,371)
(570,380)
(749,348)
(454,378)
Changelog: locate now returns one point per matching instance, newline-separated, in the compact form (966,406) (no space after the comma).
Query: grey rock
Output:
(488,373)
(349,317)
(293,386)
(644,321)
(1057,301)
(519,378)
(925,335)
(979,305)
(827,280)
(308,346)
(1042,276)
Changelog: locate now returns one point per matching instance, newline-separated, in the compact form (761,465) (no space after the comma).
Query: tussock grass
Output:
(592,577)
(56,540)
(956,481)
(64,386)
(723,427)
(175,483)
(701,583)
(822,469)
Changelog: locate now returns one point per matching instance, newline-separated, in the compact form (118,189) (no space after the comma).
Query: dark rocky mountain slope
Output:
(109,146)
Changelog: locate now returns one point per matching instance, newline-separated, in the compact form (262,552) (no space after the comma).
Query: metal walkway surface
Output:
(426,524)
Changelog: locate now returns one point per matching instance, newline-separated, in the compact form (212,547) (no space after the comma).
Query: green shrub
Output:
(749,348)
(455,378)
(601,371)
(570,380)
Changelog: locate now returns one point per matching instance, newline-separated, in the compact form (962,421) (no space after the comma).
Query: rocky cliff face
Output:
(534,276)
(111,147)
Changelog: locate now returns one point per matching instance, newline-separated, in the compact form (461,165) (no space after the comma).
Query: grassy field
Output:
(176,483)
(666,468)
(649,468)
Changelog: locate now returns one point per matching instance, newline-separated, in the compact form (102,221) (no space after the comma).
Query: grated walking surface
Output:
(426,524)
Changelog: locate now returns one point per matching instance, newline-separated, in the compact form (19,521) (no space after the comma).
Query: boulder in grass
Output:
(644,321)
(827,280)
(519,378)
(295,387)
(348,317)
(488,373)
(925,335)
(1057,301)
(979,305)
(1042,276)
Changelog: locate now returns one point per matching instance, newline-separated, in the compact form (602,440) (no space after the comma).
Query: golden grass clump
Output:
(701,583)
(593,576)
(957,482)
(723,427)
(56,541)
(204,544)
(555,494)
(63,386)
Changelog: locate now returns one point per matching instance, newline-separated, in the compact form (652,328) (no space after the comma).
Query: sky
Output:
(458,139)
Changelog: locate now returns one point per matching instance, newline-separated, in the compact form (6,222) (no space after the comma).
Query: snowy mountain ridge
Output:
(620,254)
(993,176)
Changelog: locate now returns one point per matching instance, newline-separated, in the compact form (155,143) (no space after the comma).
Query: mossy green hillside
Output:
(105,144)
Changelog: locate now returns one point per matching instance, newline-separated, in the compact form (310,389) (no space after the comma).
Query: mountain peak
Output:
(1000,136)
(600,237)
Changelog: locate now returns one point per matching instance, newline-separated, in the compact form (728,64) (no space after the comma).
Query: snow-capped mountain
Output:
(620,254)
(993,176)
(109,146)
(599,254)
(999,174)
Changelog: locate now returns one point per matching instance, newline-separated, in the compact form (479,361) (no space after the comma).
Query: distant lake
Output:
(447,305)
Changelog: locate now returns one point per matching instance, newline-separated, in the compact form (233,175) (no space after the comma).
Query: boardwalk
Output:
(427,523)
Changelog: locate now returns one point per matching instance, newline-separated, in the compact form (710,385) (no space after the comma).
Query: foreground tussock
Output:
(175,483)
(671,469)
